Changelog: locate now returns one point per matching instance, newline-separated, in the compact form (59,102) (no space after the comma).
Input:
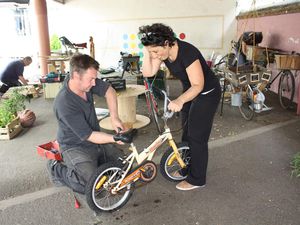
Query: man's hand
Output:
(117,124)
(23,81)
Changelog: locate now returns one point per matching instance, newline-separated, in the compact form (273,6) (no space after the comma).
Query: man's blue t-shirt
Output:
(10,74)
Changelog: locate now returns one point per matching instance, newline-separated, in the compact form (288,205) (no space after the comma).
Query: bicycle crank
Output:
(149,172)
(145,172)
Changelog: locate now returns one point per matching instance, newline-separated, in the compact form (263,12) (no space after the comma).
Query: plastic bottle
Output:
(260,97)
(259,102)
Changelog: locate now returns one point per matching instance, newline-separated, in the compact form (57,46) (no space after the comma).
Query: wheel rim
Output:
(286,89)
(103,198)
(175,167)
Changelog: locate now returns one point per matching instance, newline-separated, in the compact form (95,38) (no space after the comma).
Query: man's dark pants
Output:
(79,164)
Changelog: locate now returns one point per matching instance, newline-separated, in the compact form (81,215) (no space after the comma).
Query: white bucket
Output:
(236,99)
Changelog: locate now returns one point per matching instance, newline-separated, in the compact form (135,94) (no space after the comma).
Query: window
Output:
(22,21)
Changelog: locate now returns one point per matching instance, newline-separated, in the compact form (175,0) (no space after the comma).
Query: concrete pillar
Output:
(41,21)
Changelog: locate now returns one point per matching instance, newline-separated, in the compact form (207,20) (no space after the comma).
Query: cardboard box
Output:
(283,61)
(295,65)
(256,53)
(290,62)
(259,54)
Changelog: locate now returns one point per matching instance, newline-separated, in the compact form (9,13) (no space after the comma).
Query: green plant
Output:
(9,107)
(5,117)
(55,43)
(295,164)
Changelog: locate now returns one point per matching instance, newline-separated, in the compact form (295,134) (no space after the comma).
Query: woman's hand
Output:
(151,64)
(175,105)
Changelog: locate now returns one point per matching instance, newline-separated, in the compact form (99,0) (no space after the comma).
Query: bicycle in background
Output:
(244,80)
(286,85)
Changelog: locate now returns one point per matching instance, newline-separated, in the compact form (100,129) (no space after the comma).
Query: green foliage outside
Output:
(55,43)
(295,164)
(10,107)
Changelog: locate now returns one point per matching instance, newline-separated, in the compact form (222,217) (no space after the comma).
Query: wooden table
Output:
(127,108)
(24,90)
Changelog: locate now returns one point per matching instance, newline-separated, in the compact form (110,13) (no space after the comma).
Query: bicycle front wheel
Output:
(246,108)
(286,89)
(153,107)
(169,166)
(98,190)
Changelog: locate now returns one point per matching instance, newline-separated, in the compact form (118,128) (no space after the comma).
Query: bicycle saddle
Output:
(126,137)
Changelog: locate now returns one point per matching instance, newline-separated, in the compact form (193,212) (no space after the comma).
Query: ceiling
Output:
(26,1)
(15,1)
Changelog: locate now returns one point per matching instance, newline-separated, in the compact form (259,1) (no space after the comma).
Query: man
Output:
(12,73)
(83,146)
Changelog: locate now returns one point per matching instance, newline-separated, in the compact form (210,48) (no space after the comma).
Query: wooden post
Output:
(92,47)
(40,9)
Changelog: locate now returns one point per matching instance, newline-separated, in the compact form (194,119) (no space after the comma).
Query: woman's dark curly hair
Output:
(156,34)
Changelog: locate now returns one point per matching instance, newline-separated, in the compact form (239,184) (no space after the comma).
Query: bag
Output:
(252,38)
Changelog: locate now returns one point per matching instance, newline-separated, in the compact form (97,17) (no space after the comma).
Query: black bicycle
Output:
(286,87)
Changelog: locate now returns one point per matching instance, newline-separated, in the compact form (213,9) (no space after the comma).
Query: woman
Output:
(199,100)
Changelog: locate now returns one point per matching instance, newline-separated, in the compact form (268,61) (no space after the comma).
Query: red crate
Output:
(50,150)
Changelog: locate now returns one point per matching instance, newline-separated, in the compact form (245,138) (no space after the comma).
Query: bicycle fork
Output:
(176,155)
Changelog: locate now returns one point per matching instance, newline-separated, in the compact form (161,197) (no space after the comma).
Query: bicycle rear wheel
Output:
(286,89)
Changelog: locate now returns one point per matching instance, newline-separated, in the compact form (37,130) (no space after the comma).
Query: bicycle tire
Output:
(105,203)
(286,89)
(168,171)
(246,108)
(153,110)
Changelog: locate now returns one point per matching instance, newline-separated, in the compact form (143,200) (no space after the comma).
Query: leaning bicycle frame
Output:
(152,103)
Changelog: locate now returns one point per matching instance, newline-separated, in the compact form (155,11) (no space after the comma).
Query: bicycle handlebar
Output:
(167,113)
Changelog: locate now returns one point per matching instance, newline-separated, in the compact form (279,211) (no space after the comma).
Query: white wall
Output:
(209,25)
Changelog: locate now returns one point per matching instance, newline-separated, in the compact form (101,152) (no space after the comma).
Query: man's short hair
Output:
(81,62)
(27,59)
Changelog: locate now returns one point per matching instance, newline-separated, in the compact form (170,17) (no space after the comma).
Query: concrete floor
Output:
(249,175)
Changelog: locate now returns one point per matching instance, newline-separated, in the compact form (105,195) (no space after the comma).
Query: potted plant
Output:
(295,164)
(9,121)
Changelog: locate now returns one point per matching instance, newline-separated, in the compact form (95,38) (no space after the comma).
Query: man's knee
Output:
(69,177)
